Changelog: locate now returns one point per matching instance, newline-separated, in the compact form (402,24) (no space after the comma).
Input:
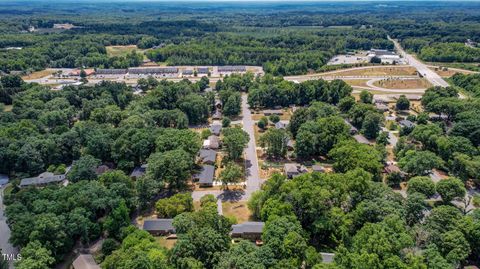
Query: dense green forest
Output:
(285,39)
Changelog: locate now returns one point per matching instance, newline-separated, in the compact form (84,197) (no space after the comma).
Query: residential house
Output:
(213,142)
(217,115)
(159,226)
(85,261)
(318,168)
(381,107)
(206,175)
(294,169)
(139,171)
(216,128)
(269,112)
(248,230)
(102,169)
(43,179)
(208,156)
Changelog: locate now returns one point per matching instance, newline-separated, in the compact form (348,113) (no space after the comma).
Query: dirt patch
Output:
(8,108)
(38,74)
(239,210)
(398,83)
(166,242)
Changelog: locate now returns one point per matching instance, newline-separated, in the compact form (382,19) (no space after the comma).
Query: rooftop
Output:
(85,261)
(158,225)
(248,227)
(208,155)
(206,174)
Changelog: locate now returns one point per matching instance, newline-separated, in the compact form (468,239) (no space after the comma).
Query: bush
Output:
(476,200)
(206,133)
(226,122)
(274,118)
(262,123)
(108,246)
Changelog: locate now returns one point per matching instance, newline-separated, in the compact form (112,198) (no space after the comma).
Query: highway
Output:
(422,68)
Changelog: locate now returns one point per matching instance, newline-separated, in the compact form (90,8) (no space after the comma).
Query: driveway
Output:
(6,247)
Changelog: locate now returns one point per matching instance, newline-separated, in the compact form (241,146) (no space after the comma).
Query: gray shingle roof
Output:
(206,174)
(208,155)
(248,227)
(229,68)
(406,123)
(163,225)
(42,179)
(216,128)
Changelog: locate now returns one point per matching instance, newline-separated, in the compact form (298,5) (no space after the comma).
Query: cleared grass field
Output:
(403,83)
(113,51)
(239,210)
(376,71)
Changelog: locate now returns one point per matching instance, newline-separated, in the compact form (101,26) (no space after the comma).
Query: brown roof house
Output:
(294,169)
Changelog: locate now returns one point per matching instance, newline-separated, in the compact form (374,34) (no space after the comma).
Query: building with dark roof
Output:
(248,230)
(294,169)
(406,124)
(156,70)
(111,71)
(42,179)
(3,179)
(318,168)
(159,226)
(361,139)
(187,72)
(206,175)
(216,128)
(232,69)
(139,171)
(207,156)
(202,70)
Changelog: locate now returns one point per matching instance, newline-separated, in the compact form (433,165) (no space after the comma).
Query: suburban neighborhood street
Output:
(6,247)
(253,181)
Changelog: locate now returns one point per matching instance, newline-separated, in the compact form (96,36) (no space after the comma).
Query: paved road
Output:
(253,181)
(422,68)
(251,160)
(6,247)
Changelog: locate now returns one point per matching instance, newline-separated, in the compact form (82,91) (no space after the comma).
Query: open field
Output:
(403,83)
(357,82)
(39,74)
(239,210)
(376,71)
(113,51)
